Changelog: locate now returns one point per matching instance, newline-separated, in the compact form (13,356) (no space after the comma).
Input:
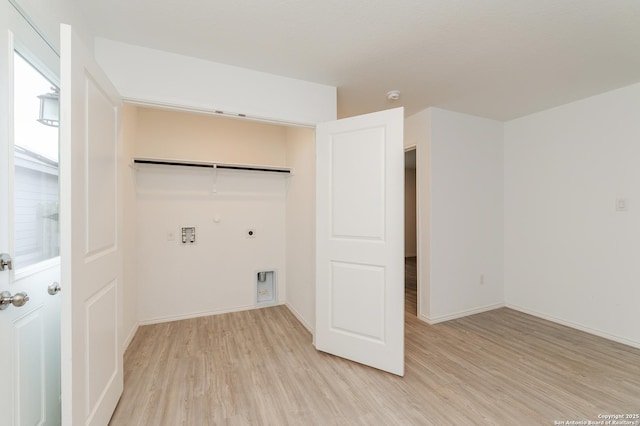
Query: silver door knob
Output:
(54,288)
(18,300)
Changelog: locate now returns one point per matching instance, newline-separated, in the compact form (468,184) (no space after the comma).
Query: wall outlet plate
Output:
(621,205)
(188,235)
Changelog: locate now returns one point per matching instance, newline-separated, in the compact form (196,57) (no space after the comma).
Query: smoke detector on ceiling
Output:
(393,95)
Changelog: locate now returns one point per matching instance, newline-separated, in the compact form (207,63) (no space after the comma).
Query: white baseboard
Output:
(171,318)
(130,336)
(575,325)
(460,314)
(299,317)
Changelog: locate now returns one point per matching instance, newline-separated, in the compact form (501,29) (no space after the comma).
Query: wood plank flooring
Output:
(260,368)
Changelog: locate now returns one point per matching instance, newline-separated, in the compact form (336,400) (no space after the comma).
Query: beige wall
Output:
(128,194)
(220,269)
(218,273)
(190,136)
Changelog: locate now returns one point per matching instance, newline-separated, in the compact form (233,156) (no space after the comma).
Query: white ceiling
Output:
(493,58)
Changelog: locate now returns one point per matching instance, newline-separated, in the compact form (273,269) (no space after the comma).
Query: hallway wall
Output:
(460,166)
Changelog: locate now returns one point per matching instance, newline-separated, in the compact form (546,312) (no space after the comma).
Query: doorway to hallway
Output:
(410,233)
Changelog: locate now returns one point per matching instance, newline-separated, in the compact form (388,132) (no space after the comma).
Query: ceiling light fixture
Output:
(393,95)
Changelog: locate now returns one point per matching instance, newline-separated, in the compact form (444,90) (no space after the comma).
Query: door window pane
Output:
(36,189)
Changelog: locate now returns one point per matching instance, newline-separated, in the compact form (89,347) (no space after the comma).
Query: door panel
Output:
(102,348)
(30,356)
(360,239)
(91,268)
(349,282)
(357,157)
(101,169)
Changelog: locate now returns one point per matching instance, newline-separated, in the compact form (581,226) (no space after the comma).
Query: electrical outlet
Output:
(188,235)
(621,205)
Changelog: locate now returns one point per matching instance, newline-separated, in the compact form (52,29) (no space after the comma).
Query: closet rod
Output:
(163,162)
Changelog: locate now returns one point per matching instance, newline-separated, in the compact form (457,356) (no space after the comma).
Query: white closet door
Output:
(360,239)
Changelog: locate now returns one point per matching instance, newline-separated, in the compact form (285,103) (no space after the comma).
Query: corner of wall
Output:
(570,256)
(466,214)
(129,286)
(300,231)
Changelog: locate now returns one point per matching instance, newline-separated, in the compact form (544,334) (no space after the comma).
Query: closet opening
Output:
(244,187)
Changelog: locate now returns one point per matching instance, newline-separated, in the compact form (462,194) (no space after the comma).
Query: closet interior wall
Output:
(217,273)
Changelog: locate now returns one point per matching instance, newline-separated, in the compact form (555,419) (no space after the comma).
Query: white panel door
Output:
(360,239)
(29,334)
(92,379)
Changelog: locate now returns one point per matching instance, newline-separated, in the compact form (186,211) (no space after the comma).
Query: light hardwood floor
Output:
(260,368)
